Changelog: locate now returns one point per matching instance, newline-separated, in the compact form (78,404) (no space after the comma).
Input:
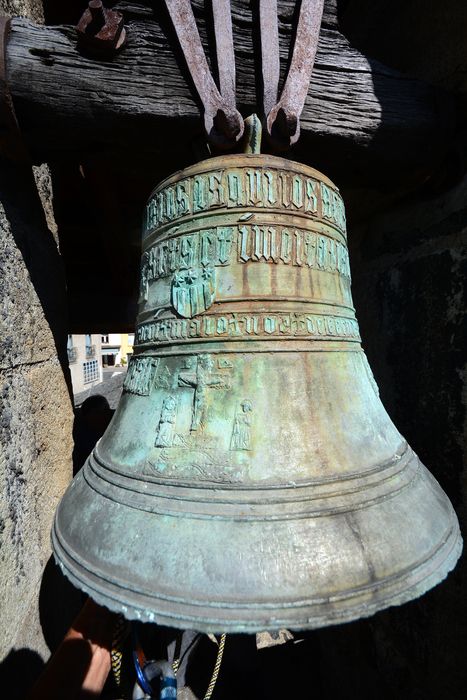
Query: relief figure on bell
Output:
(166,427)
(140,375)
(198,375)
(144,284)
(241,433)
(193,291)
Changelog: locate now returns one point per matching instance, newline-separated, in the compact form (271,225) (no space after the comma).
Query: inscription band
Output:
(270,244)
(245,187)
(258,326)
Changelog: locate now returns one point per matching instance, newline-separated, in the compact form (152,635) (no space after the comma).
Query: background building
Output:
(116,348)
(85,360)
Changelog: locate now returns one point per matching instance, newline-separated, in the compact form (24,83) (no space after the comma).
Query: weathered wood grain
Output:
(68,102)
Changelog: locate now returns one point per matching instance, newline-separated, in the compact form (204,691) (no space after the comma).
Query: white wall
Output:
(86,371)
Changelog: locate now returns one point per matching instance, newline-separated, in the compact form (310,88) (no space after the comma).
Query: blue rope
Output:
(139,671)
(168,688)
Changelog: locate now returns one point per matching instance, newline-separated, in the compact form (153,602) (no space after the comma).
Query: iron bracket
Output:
(100,31)
(222,122)
(283,119)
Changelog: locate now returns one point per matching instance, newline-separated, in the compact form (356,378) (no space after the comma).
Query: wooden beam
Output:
(68,104)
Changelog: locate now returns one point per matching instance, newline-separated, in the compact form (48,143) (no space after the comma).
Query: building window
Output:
(90,349)
(72,352)
(105,338)
(90,371)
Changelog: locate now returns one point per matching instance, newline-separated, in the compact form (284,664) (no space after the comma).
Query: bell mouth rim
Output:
(312,613)
(240,159)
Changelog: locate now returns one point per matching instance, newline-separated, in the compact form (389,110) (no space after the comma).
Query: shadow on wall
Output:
(18,671)
(59,603)
(409,267)
(410,297)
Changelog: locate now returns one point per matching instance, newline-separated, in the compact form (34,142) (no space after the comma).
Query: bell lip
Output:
(251,622)
(229,160)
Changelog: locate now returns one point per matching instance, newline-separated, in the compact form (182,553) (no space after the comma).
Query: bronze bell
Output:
(251,478)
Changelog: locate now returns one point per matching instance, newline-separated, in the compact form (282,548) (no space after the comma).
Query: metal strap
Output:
(224,50)
(222,121)
(283,119)
(270,62)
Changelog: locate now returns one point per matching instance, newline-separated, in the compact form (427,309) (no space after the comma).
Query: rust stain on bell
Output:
(251,478)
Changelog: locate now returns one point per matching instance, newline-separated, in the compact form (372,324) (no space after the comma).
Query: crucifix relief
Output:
(198,374)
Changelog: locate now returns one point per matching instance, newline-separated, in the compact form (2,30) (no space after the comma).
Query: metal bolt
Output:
(100,31)
(97,10)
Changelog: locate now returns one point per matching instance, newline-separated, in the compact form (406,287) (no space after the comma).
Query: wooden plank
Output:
(66,102)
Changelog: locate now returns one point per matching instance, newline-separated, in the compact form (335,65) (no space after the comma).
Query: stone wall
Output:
(23,8)
(35,407)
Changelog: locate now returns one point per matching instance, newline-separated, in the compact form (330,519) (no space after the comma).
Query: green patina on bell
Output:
(251,478)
